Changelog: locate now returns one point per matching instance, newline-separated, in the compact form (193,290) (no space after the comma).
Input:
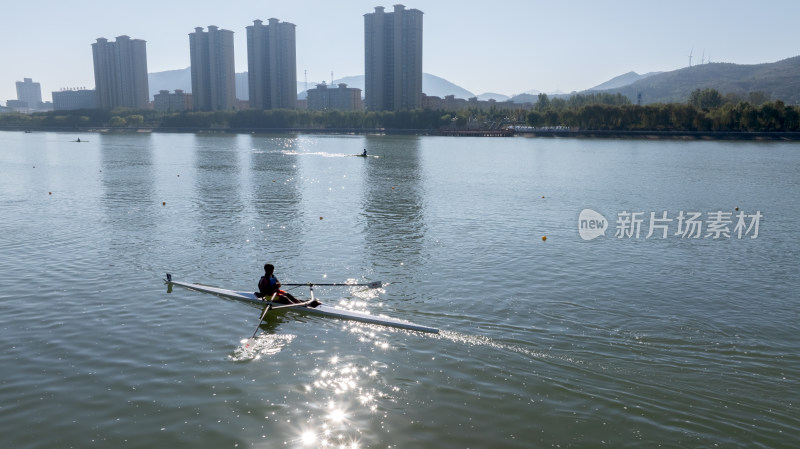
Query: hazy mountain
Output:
(778,80)
(439,87)
(170,80)
(493,96)
(182,79)
(622,80)
(532,96)
(525,98)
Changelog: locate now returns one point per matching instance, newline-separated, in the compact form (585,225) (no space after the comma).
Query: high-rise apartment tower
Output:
(393,59)
(120,73)
(213,69)
(272,65)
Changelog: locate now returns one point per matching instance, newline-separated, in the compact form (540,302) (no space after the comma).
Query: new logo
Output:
(591,224)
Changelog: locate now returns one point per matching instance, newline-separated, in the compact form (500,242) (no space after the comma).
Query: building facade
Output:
(342,98)
(120,73)
(30,93)
(272,65)
(393,59)
(179,101)
(67,100)
(213,69)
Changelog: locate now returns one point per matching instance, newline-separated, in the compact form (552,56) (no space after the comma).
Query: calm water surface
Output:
(613,342)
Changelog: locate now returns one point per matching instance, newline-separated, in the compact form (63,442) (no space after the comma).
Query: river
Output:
(589,293)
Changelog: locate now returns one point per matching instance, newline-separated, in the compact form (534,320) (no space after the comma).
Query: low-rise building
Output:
(179,101)
(342,98)
(67,100)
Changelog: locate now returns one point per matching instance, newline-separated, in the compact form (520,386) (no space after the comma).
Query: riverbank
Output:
(562,133)
(675,135)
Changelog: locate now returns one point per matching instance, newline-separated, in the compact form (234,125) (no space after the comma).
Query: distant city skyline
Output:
(505,46)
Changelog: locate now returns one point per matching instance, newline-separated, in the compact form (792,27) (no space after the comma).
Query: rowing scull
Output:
(321,309)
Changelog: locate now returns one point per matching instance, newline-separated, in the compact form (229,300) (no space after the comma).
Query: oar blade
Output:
(375,284)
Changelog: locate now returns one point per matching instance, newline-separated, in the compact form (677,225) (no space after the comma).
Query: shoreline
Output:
(667,135)
(579,134)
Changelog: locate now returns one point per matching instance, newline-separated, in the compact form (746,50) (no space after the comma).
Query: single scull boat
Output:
(321,309)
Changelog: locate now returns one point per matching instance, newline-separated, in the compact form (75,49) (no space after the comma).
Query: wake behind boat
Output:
(320,309)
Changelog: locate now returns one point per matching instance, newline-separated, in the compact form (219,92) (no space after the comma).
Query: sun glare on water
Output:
(309,438)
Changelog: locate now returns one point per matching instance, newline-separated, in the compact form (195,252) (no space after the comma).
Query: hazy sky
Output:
(500,46)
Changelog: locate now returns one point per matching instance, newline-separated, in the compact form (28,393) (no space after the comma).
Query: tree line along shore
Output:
(707,113)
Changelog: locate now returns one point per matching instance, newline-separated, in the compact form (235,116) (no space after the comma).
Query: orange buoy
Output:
(163,203)
(320,218)
(544,238)
(49,193)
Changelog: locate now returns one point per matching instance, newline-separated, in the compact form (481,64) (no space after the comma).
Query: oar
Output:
(375,284)
(252,340)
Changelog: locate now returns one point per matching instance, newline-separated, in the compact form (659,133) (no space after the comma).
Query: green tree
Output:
(535,118)
(705,99)
(771,116)
(543,102)
(792,117)
(749,117)
(757,98)
(135,119)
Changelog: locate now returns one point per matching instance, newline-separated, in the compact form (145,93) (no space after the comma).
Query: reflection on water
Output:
(275,195)
(128,197)
(393,204)
(218,184)
(127,177)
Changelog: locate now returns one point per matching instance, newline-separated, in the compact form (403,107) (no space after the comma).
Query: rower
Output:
(269,285)
(364,154)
